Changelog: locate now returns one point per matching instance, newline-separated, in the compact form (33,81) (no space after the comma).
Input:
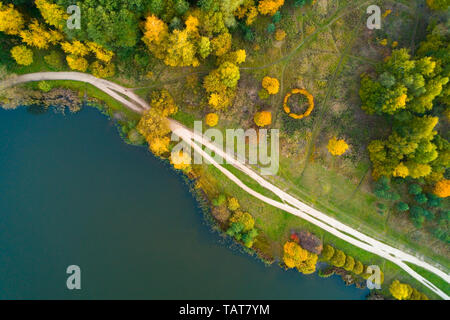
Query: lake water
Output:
(73,193)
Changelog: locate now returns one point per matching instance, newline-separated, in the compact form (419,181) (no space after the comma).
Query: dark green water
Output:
(72,192)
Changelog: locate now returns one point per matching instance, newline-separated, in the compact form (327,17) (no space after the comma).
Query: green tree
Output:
(402,206)
(414,189)
(421,198)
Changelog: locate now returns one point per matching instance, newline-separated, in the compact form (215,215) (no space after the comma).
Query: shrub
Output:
(280,35)
(358,268)
(438,4)
(77,63)
(54,60)
(308,96)
(219,200)
(263,94)
(233,204)
(400,291)
(337,147)
(338,259)
(44,86)
(212,119)
(244,218)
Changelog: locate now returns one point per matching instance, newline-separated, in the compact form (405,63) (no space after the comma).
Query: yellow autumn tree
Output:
(442,188)
(159,145)
(77,63)
(418,170)
(181,50)
(180,160)
(263,118)
(401,171)
(269,7)
(192,24)
(240,56)
(163,102)
(76,48)
(271,85)
(337,147)
(212,119)
(438,4)
(101,70)
(245,218)
(308,266)
(400,291)
(251,15)
(22,55)
(53,14)
(155,30)
(293,254)
(11,20)
(153,125)
(39,36)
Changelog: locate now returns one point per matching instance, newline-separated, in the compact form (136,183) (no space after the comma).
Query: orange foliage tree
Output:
(442,188)
(263,118)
